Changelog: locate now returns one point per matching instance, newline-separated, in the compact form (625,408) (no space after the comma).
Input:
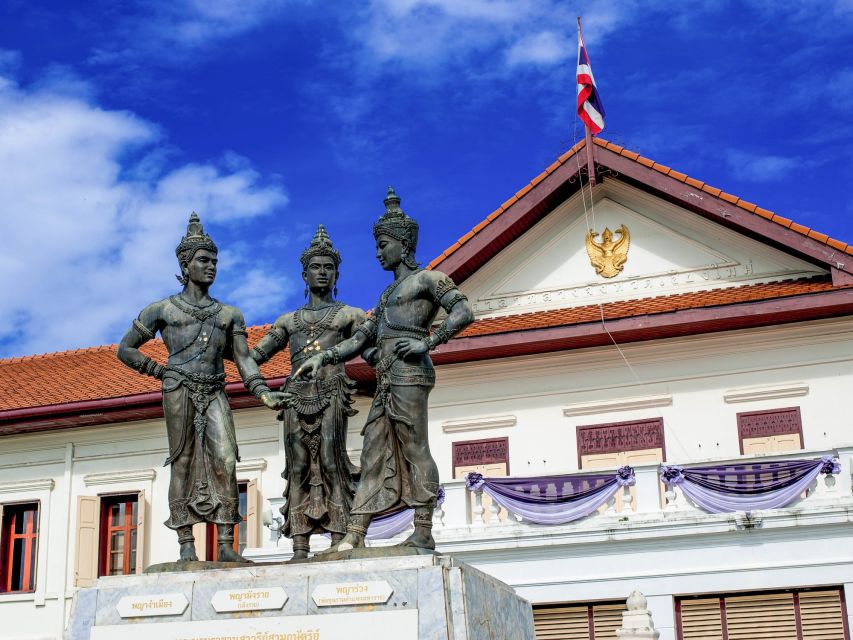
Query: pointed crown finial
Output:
(395,223)
(194,240)
(321,245)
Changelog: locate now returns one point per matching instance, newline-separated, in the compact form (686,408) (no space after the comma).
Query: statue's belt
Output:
(202,389)
(310,397)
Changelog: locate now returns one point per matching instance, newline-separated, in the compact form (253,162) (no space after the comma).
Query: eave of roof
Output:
(560,180)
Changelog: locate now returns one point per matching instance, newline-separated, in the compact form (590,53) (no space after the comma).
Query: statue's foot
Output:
(349,542)
(300,554)
(227,554)
(420,539)
(188,552)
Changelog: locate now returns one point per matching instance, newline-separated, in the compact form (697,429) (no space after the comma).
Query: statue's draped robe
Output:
(319,473)
(202,449)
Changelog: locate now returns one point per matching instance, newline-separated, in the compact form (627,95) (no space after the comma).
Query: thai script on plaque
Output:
(480,451)
(769,423)
(161,604)
(334,594)
(248,599)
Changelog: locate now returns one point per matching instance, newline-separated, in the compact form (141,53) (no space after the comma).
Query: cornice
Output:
(42,484)
(625,404)
(117,477)
(477,423)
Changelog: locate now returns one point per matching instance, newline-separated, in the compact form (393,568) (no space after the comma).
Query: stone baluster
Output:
(494,513)
(671,495)
(438,516)
(611,505)
(627,501)
(477,511)
(844,480)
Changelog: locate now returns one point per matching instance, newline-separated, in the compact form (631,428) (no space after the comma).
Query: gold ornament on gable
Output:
(608,257)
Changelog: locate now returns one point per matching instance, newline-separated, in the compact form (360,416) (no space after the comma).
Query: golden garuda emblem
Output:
(608,257)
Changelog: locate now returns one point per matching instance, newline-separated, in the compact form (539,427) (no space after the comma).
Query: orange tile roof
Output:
(672,173)
(649,306)
(96,373)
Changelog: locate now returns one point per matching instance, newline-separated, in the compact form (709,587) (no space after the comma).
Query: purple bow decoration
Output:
(671,474)
(829,465)
(474,481)
(625,476)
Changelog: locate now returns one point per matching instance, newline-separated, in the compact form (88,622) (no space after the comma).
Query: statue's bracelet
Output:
(260,390)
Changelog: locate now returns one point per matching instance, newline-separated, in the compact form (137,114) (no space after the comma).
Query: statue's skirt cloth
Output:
(202,450)
(397,469)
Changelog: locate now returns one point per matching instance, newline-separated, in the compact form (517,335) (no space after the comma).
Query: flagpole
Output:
(590,147)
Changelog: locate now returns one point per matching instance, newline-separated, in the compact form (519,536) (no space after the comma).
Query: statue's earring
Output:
(306,291)
(335,291)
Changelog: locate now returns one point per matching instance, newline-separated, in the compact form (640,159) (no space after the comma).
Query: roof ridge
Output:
(667,171)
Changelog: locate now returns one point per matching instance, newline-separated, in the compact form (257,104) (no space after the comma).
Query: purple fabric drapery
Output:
(390,525)
(747,486)
(552,499)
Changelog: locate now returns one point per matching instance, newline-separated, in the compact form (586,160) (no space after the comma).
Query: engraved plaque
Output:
(260,599)
(472,452)
(156,604)
(341,593)
(777,422)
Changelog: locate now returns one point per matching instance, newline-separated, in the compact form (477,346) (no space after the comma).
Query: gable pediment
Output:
(672,250)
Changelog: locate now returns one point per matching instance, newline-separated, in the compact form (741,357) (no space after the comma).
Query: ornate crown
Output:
(395,223)
(321,245)
(195,239)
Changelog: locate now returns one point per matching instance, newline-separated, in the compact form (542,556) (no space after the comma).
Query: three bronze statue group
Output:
(325,491)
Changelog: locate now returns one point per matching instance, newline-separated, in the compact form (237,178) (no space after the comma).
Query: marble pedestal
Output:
(406,598)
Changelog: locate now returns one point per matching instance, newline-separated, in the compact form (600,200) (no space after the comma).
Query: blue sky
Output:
(118,119)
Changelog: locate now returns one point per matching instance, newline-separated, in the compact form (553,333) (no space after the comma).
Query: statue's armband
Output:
(142,331)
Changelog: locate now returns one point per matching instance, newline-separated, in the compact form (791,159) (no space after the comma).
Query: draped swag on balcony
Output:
(552,499)
(747,486)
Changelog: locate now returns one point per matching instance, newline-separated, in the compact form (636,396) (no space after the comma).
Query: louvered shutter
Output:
(86,556)
(821,615)
(141,513)
(768,616)
(253,498)
(607,618)
(561,622)
(701,619)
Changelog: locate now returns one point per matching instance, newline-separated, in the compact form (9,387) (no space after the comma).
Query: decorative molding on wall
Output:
(42,484)
(752,394)
(252,464)
(475,424)
(116,477)
(625,404)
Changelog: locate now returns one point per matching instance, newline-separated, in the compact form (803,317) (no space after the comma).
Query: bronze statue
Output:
(397,469)
(319,474)
(198,332)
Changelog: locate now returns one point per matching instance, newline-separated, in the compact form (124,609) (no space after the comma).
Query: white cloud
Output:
(762,167)
(544,48)
(88,237)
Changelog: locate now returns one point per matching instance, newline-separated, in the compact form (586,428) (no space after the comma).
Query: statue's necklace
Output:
(315,329)
(202,313)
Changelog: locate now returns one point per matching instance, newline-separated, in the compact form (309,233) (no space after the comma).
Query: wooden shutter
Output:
(700,619)
(769,616)
(561,622)
(787,442)
(606,619)
(253,499)
(821,615)
(86,561)
(141,518)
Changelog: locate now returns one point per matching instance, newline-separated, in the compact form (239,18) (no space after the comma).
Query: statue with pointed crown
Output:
(319,474)
(397,468)
(199,333)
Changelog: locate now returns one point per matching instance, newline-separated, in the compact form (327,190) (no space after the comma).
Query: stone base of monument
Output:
(406,598)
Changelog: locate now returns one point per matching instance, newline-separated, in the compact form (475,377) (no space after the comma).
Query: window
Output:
(18,544)
(119,524)
(240,531)
(619,443)
(489,457)
(771,431)
(799,614)
(577,621)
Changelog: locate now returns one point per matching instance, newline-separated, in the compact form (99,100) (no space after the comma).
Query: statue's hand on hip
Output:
(405,347)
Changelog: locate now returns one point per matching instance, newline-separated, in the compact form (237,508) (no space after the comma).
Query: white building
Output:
(734,329)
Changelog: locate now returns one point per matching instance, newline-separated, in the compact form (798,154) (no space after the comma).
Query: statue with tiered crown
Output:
(397,468)
(199,333)
(319,474)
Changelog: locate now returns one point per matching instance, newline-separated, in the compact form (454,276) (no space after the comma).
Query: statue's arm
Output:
(455,303)
(143,329)
(273,341)
(246,365)
(346,350)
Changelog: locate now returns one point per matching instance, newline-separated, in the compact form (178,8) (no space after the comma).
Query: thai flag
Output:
(590,109)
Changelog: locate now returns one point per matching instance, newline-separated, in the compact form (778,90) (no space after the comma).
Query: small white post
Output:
(637,620)
(478,510)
